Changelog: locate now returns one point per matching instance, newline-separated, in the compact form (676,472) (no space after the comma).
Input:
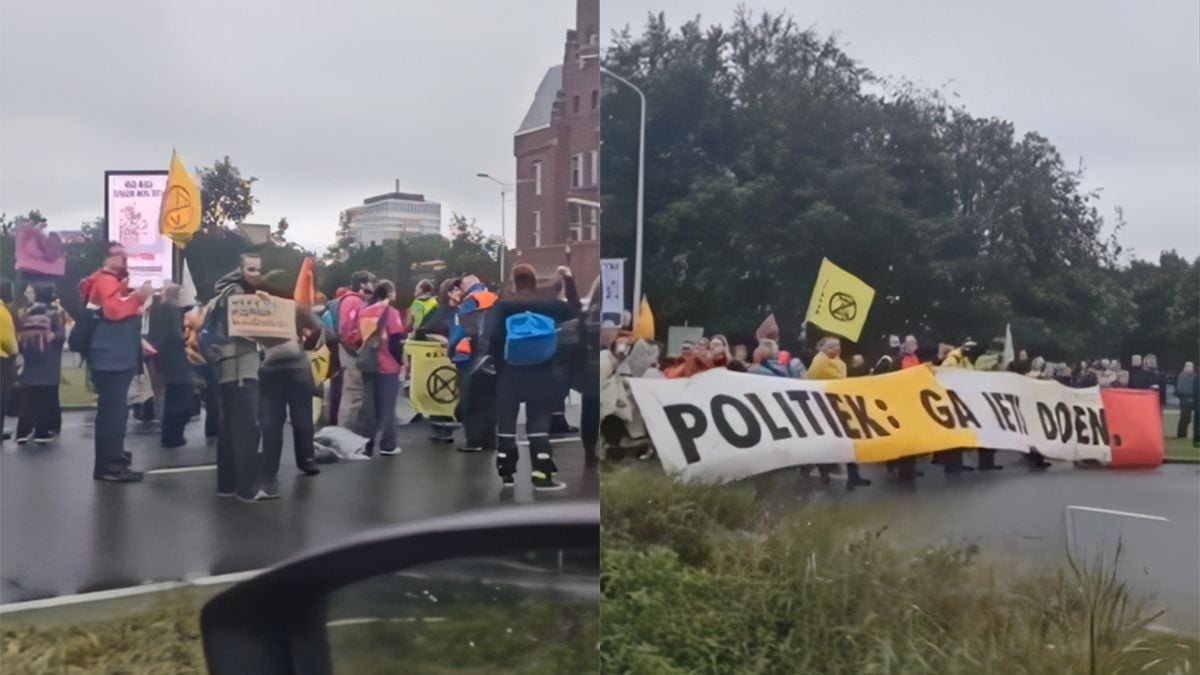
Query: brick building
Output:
(557,148)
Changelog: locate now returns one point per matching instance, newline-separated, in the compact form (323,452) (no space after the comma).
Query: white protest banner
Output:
(132,202)
(612,294)
(252,317)
(723,425)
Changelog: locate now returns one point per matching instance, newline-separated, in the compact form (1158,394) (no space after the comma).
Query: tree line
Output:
(769,147)
(228,199)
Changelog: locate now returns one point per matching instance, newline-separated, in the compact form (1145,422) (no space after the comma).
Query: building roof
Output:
(404,196)
(543,101)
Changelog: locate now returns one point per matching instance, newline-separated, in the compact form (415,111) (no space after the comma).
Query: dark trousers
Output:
(39,405)
(335,397)
(535,387)
(479,409)
(177,412)
(384,389)
(1186,410)
(212,402)
(906,468)
(8,380)
(951,461)
(987,459)
(238,459)
(112,415)
(558,408)
(284,394)
(589,422)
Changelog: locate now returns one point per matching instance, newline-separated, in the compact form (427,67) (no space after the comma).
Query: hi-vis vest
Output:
(482,300)
(422,309)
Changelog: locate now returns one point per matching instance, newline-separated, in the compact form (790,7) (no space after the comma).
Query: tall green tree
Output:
(769,147)
(227,197)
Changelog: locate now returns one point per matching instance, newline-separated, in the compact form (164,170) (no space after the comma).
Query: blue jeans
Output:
(112,415)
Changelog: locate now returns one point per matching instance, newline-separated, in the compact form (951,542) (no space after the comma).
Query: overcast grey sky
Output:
(326,103)
(1115,83)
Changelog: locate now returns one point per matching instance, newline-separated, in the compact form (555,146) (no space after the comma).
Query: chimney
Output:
(397,185)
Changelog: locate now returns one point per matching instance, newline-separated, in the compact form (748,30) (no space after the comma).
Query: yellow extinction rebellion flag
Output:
(434,388)
(839,302)
(179,218)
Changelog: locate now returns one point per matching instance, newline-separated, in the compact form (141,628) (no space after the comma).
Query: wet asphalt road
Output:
(63,533)
(1017,517)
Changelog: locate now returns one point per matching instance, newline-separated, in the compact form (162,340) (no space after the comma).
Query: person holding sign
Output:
(963,358)
(285,388)
(235,360)
(112,343)
(828,365)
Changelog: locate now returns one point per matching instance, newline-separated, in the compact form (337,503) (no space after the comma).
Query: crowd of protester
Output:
(627,356)
(166,359)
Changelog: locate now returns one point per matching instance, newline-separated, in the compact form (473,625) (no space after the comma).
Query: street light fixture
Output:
(504,187)
(637,260)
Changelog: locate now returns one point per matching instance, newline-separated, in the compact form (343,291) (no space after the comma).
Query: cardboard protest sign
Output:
(723,425)
(252,317)
(839,302)
(434,388)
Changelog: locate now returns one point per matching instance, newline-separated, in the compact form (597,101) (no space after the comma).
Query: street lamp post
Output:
(503,200)
(637,261)
(503,240)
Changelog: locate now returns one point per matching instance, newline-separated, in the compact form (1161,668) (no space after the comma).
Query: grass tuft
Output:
(696,580)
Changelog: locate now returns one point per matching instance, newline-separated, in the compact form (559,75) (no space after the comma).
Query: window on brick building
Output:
(537,229)
(575,218)
(594,163)
(575,104)
(593,223)
(537,178)
(577,170)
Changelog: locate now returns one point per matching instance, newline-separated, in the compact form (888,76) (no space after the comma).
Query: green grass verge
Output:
(708,580)
(164,639)
(479,633)
(1182,450)
(73,393)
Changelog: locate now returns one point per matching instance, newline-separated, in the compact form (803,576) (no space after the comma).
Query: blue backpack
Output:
(532,339)
(330,317)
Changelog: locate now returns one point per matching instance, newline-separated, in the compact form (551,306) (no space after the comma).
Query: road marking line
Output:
(126,592)
(182,469)
(1127,514)
(1069,517)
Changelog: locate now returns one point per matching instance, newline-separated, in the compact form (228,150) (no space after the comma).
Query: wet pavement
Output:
(62,532)
(1018,517)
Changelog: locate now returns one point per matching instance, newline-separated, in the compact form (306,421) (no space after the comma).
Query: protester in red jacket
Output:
(114,354)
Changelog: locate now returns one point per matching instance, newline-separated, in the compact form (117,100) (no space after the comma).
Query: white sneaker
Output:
(393,451)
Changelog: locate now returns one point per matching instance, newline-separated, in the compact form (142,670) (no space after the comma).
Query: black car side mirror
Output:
(276,623)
